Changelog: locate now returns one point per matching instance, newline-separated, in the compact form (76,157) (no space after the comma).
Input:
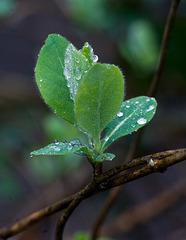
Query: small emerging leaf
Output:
(98,98)
(133,114)
(88,52)
(104,157)
(59,148)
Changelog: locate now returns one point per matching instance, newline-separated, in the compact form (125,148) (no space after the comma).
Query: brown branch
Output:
(65,216)
(136,163)
(80,196)
(160,162)
(34,218)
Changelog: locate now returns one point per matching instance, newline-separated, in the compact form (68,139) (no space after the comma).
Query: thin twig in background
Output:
(65,216)
(146,211)
(146,165)
(151,92)
(104,211)
(164,47)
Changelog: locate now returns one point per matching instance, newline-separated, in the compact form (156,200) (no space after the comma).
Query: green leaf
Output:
(59,148)
(76,64)
(59,70)
(86,151)
(133,114)
(98,98)
(104,157)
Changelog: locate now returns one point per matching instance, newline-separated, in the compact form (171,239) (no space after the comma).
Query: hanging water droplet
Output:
(31,155)
(141,121)
(120,114)
(95,58)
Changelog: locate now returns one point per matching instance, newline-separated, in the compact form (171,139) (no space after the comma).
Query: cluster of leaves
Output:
(89,95)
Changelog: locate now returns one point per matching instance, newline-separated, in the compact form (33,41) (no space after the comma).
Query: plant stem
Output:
(64,218)
(80,196)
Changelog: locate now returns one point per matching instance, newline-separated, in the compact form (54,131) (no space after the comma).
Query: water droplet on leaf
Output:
(141,121)
(151,107)
(56,149)
(120,114)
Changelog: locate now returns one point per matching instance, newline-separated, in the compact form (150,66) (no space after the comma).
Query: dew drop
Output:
(41,80)
(72,70)
(95,58)
(127,106)
(77,73)
(136,102)
(108,66)
(151,107)
(56,149)
(151,162)
(141,121)
(69,147)
(120,114)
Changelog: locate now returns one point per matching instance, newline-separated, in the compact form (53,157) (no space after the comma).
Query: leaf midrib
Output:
(118,126)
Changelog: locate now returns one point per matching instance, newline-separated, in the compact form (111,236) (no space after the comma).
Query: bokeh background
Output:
(125,33)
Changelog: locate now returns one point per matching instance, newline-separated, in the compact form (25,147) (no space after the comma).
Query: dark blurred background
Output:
(125,33)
